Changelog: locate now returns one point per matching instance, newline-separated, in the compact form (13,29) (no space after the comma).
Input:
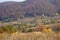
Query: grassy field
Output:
(52,35)
(30,36)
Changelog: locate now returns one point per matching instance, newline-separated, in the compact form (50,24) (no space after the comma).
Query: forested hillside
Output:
(29,8)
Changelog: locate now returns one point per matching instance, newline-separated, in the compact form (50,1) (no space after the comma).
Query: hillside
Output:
(29,8)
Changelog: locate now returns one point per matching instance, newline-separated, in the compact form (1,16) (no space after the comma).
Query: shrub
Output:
(48,30)
(5,29)
(8,29)
(30,30)
(12,29)
(1,31)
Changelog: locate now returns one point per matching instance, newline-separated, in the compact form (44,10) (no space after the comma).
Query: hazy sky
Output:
(11,0)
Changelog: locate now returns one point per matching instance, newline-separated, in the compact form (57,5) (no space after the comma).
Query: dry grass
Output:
(58,36)
(30,36)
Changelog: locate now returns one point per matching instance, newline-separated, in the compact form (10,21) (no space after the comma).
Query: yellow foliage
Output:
(47,30)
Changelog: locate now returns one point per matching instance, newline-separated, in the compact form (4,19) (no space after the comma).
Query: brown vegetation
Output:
(16,9)
(30,36)
(41,32)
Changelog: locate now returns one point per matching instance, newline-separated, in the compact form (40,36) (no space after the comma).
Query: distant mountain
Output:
(29,8)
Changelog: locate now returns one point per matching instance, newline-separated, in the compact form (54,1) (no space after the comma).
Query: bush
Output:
(12,29)
(8,29)
(30,30)
(5,29)
(48,30)
(1,31)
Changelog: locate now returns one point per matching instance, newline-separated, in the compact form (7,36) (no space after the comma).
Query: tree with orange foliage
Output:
(40,27)
(43,28)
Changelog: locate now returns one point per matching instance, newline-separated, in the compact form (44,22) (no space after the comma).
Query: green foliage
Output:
(8,29)
(30,30)
(12,29)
